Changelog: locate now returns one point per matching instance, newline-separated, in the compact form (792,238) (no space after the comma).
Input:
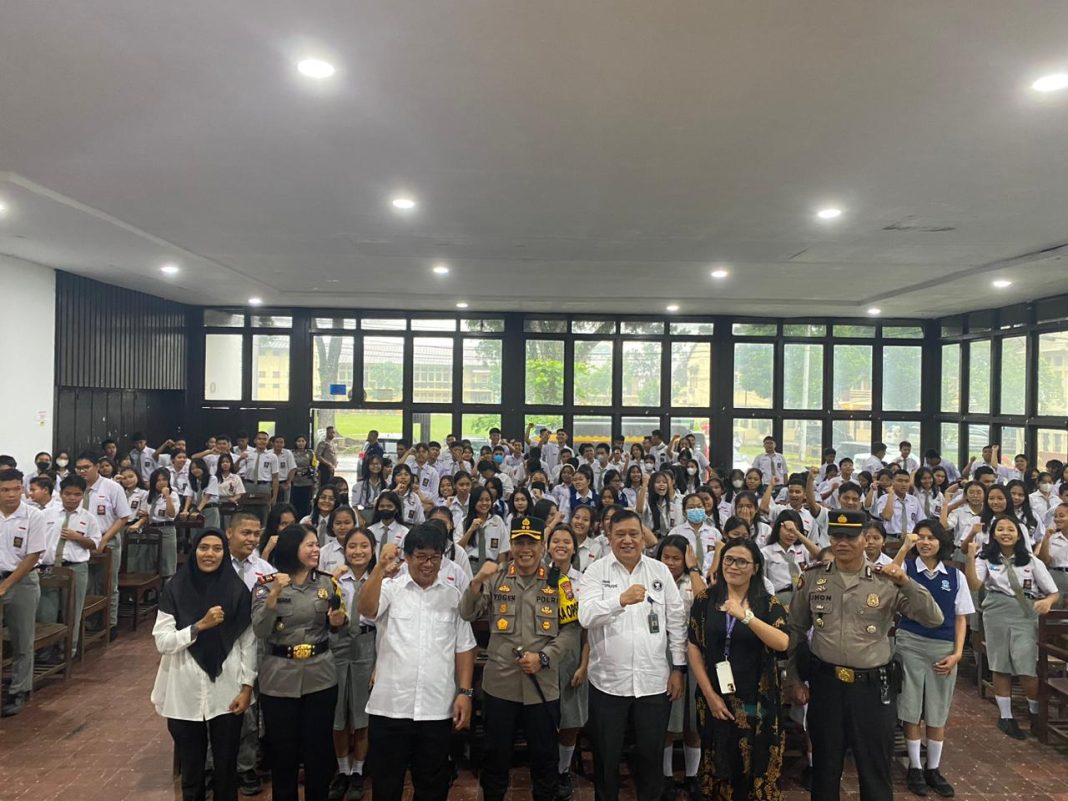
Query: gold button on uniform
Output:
(871,629)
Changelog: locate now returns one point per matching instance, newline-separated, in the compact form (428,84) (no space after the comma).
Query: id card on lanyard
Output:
(723,669)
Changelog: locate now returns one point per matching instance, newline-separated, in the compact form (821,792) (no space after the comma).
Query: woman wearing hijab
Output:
(204,683)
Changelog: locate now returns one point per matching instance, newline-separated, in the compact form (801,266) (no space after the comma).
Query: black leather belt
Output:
(365,628)
(1060,569)
(848,675)
(787,588)
(304,650)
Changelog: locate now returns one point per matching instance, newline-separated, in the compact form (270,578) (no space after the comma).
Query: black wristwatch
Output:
(683,669)
(468,691)
(544,657)
(693,569)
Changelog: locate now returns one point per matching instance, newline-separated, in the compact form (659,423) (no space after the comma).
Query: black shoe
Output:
(113,634)
(693,788)
(250,783)
(806,778)
(355,792)
(338,787)
(937,782)
(564,790)
(670,788)
(1011,728)
(14,705)
(915,782)
(1033,717)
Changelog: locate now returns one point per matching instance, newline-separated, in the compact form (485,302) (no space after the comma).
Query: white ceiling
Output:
(594,156)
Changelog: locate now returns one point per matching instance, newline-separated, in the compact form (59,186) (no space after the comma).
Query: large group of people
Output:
(630,591)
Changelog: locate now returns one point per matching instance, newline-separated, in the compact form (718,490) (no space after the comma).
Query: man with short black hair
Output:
(107,500)
(770,463)
(932,458)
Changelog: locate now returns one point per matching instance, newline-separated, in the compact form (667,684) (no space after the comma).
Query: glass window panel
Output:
(593,372)
(700,427)
(852,377)
(978,438)
(223,319)
(901,378)
(593,326)
(641,328)
(485,326)
(270,367)
(635,429)
(433,325)
(979,377)
(383,369)
(753,329)
(897,431)
(432,370)
(753,375)
(952,326)
(1053,375)
(691,329)
(951,378)
(748,438)
(545,326)
(1013,441)
(1052,444)
(641,373)
(691,373)
(802,443)
(271,321)
(803,376)
(591,429)
(266,426)
(475,427)
(851,438)
(329,323)
(1013,375)
(545,372)
(903,332)
(331,368)
(950,444)
(223,366)
(431,427)
(482,371)
(384,324)
(352,426)
(855,331)
(804,330)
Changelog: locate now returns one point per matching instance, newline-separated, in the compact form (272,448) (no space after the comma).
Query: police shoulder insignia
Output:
(323,594)
(546,610)
(821,581)
(873,600)
(262,591)
(504,588)
(541,571)
(511,569)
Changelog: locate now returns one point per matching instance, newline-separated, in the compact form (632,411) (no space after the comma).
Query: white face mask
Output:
(1045,487)
(737,483)
(61,462)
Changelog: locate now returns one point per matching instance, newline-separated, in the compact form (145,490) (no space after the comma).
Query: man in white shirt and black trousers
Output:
(633,612)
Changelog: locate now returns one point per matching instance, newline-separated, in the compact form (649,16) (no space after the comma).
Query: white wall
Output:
(27,358)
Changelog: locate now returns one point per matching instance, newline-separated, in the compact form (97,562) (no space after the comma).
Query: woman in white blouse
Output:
(204,683)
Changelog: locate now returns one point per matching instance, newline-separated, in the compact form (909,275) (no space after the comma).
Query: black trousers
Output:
(852,716)
(300,730)
(191,743)
(607,727)
(301,498)
(540,723)
(399,744)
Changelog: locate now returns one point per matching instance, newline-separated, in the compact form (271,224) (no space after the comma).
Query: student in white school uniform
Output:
(107,500)
(287,467)
(454,561)
(424,475)
(698,531)
(179,472)
(795,500)
(787,554)
(142,457)
(485,536)
(231,487)
(874,539)
(587,547)
(905,460)
(319,519)
(581,494)
(332,555)
(413,503)
(928,494)
(163,506)
(746,507)
(1043,499)
(386,523)
(43,462)
(660,507)
(42,493)
(72,535)
(899,510)
(260,473)
(1021,507)
(202,495)
(770,464)
(1054,549)
(1019,590)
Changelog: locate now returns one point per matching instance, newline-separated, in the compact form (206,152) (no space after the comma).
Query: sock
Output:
(344,764)
(668,766)
(1004,705)
(914,753)
(357,766)
(809,756)
(1032,706)
(566,752)
(693,759)
(934,754)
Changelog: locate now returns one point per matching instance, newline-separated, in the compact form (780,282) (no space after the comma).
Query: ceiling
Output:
(597,156)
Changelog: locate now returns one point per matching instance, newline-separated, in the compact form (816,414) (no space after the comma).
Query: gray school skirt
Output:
(1060,578)
(684,709)
(1011,636)
(574,701)
(924,694)
(354,658)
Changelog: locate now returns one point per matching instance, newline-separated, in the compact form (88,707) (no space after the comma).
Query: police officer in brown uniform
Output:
(850,606)
(532,623)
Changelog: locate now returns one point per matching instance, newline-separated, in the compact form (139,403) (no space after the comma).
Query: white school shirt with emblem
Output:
(231,487)
(777,568)
(1041,505)
(136,501)
(81,521)
(962,603)
(590,549)
(395,532)
(909,463)
(144,462)
(426,478)
(807,520)
(256,569)
(180,481)
(961,520)
(496,538)
(770,464)
(1034,578)
(708,535)
(157,510)
(414,622)
(286,463)
(268,467)
(672,509)
(1058,550)
(934,502)
(907,513)
(21,534)
(53,503)
(331,555)
(107,500)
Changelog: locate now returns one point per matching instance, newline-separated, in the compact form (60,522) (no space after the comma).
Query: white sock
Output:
(934,754)
(566,752)
(668,766)
(693,759)
(357,766)
(344,764)
(1004,705)
(809,756)
(1032,706)
(914,753)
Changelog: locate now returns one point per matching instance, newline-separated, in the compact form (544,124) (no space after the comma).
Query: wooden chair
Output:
(258,505)
(1052,683)
(47,635)
(183,531)
(135,587)
(97,605)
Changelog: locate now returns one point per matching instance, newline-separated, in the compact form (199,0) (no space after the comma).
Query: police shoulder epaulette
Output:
(812,566)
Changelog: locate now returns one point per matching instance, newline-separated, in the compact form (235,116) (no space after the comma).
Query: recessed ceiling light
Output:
(875,312)
(720,273)
(255,301)
(1051,83)
(441,269)
(315,68)
(169,269)
(1001,283)
(3,209)
(829,214)
(461,305)
(403,203)
(674,307)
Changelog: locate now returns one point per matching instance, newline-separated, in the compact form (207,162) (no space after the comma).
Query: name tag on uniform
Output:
(18,542)
(493,542)
(101,510)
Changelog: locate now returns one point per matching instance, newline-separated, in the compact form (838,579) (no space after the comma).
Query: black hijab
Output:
(192,592)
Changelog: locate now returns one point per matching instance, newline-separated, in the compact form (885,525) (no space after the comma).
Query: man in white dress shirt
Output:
(899,510)
(633,612)
(770,463)
(259,471)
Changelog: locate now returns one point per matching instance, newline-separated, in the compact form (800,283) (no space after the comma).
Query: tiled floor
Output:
(97,738)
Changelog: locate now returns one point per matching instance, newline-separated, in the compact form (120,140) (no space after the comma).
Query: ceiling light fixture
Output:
(315,68)
(875,312)
(255,301)
(403,203)
(829,214)
(1051,83)
(1001,283)
(720,273)
(674,307)
(3,209)
(461,305)
(441,269)
(169,269)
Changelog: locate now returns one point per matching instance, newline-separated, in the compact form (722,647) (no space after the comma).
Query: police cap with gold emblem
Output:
(844,523)
(533,527)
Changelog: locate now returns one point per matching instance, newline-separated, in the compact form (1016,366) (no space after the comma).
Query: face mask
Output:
(61,462)
(695,516)
(737,483)
(387,515)
(1045,487)
(498,458)
(691,471)
(43,465)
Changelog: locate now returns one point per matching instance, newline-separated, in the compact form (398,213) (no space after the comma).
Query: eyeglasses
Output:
(421,559)
(81,468)
(735,561)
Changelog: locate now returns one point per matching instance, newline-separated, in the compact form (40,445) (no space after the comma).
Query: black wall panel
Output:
(88,415)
